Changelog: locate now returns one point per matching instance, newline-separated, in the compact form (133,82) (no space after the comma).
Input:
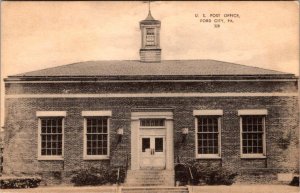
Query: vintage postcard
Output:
(149,96)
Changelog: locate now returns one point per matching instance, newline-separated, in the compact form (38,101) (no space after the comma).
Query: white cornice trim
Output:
(208,112)
(51,113)
(96,113)
(155,95)
(252,112)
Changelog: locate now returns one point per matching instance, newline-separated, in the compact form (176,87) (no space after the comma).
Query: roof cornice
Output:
(207,78)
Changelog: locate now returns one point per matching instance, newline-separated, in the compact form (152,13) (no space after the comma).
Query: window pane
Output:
(145,144)
(204,128)
(44,129)
(54,152)
(49,145)
(259,150)
(43,145)
(209,120)
(104,152)
(260,127)
(104,129)
(48,129)
(89,152)
(159,146)
(215,151)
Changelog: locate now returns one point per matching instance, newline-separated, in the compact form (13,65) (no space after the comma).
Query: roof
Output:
(165,68)
(149,20)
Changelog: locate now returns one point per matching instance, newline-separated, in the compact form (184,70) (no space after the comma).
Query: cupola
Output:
(150,48)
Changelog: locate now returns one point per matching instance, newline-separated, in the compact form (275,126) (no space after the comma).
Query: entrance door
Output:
(152,151)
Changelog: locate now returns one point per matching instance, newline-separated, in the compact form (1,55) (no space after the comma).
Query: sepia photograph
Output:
(149,97)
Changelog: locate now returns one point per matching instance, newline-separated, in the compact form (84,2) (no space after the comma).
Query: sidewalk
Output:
(193,189)
(238,188)
(64,189)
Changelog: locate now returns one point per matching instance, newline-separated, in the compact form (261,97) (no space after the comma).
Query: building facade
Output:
(150,113)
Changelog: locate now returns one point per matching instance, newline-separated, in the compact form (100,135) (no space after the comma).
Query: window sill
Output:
(208,156)
(253,156)
(50,158)
(102,157)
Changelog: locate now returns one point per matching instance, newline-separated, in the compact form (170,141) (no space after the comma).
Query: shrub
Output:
(211,175)
(295,181)
(181,174)
(113,174)
(18,182)
(98,176)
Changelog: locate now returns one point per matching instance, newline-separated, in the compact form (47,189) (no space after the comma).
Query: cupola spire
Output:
(150,46)
(149,17)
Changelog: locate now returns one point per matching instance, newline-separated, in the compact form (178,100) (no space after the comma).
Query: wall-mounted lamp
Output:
(184,132)
(120,133)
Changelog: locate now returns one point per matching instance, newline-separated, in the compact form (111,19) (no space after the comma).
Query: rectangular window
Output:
(50,135)
(96,136)
(252,135)
(152,123)
(208,137)
(150,38)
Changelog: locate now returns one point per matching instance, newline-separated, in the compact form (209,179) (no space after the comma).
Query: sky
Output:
(37,35)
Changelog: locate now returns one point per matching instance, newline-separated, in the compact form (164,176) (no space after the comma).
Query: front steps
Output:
(150,177)
(155,189)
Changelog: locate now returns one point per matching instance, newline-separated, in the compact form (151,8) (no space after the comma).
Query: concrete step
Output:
(149,178)
(146,181)
(155,189)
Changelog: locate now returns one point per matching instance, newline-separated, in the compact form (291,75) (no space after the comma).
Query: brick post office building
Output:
(151,112)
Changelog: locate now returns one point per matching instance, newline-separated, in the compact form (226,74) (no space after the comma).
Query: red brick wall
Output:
(20,153)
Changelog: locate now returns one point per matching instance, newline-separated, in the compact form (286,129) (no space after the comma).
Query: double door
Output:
(152,151)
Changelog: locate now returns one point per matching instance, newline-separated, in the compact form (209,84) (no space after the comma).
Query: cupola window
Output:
(150,38)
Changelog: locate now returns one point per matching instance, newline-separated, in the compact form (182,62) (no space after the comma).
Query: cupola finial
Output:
(149,17)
